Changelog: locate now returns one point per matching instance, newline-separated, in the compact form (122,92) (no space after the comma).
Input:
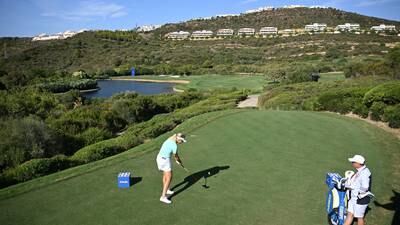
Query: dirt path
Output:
(250,102)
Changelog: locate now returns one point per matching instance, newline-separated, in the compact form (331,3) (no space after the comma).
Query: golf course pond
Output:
(107,88)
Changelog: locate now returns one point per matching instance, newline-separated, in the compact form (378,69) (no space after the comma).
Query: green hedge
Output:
(376,110)
(392,116)
(342,101)
(35,168)
(388,93)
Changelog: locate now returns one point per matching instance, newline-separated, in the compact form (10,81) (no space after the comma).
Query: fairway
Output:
(266,167)
(210,82)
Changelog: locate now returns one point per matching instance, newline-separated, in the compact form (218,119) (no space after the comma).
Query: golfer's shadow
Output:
(193,178)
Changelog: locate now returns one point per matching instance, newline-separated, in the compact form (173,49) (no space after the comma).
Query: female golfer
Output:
(169,147)
(360,186)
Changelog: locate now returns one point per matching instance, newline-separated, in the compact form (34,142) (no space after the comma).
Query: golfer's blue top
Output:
(169,146)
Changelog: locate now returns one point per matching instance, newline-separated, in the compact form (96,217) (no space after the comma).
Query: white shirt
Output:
(359,182)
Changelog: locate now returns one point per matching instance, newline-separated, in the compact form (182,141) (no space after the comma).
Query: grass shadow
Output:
(195,177)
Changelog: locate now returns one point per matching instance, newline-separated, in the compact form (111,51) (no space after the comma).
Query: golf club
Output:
(182,166)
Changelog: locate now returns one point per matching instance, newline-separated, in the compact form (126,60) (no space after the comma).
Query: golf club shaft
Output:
(185,168)
(182,166)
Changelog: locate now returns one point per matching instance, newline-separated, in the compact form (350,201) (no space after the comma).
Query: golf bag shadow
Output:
(336,200)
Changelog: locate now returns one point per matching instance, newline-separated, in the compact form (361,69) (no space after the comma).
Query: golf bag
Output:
(336,200)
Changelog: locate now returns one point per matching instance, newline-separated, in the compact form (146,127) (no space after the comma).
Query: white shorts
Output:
(357,210)
(163,164)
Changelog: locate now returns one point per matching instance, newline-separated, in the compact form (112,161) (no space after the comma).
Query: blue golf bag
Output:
(336,200)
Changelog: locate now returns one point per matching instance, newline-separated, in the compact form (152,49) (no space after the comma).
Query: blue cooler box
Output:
(124,180)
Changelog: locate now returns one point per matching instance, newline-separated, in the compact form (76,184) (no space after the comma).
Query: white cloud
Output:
(89,10)
(366,3)
(245,2)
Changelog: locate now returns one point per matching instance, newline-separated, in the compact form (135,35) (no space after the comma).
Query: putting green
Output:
(266,167)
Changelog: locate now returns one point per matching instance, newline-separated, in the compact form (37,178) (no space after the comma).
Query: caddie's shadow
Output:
(195,177)
(394,205)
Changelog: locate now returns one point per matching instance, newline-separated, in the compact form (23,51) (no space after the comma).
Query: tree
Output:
(25,139)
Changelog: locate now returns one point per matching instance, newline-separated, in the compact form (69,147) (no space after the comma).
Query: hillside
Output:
(112,53)
(283,18)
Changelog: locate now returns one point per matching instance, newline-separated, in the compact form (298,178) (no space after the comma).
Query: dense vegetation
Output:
(109,53)
(377,96)
(56,134)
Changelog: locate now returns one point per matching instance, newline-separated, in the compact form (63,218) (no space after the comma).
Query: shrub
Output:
(24,139)
(34,168)
(360,109)
(93,135)
(97,151)
(388,93)
(392,116)
(376,110)
(342,101)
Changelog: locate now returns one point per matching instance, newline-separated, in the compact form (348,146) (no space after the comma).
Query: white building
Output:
(268,31)
(266,8)
(316,27)
(68,34)
(287,32)
(147,28)
(58,36)
(383,27)
(202,34)
(225,32)
(227,15)
(293,6)
(178,35)
(246,31)
(348,27)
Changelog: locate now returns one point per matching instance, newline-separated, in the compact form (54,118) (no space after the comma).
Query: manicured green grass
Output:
(209,82)
(277,163)
(333,76)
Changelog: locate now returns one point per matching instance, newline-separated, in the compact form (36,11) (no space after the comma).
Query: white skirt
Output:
(163,164)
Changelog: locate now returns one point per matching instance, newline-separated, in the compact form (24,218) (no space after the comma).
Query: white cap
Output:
(181,137)
(358,159)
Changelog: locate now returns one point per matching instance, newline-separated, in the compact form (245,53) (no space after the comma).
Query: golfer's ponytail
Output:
(173,137)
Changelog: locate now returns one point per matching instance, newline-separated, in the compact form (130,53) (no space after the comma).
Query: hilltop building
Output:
(348,27)
(315,27)
(267,8)
(147,28)
(264,31)
(246,31)
(202,34)
(225,32)
(179,35)
(383,27)
(287,32)
(58,36)
(227,15)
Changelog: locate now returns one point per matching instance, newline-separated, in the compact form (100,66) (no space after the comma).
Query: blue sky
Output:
(32,17)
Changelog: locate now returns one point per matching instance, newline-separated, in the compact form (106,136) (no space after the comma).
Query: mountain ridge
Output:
(283,18)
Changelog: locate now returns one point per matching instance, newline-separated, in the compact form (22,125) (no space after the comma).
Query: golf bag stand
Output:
(336,200)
